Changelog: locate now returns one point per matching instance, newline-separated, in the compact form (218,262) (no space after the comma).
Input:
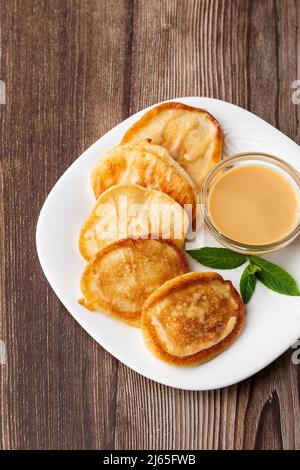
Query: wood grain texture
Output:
(73,69)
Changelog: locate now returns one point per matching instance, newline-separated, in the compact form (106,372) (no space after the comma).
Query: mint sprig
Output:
(248,282)
(218,258)
(271,275)
(274,277)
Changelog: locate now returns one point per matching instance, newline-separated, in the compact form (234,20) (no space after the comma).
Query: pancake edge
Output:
(133,318)
(152,113)
(185,280)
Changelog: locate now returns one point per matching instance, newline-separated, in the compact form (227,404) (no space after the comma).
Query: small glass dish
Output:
(244,159)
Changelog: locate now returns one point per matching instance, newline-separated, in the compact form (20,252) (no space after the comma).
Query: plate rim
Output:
(68,307)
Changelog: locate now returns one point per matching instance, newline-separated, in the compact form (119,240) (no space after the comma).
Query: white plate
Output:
(272,320)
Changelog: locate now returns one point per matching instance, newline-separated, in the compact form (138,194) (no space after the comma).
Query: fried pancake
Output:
(129,210)
(192,136)
(122,275)
(192,318)
(149,166)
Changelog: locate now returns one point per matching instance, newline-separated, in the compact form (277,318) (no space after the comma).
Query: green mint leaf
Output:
(248,282)
(218,258)
(274,277)
(252,268)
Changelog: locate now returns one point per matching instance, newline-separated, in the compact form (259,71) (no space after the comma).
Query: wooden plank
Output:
(63,63)
(4,417)
(73,69)
(243,52)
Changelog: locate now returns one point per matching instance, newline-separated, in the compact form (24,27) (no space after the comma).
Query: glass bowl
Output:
(245,159)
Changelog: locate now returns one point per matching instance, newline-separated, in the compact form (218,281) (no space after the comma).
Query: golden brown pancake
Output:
(146,165)
(192,318)
(122,275)
(192,136)
(129,210)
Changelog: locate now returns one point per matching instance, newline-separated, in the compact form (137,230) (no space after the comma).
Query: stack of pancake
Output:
(146,192)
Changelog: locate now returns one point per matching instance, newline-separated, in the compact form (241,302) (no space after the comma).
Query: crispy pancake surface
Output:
(192,136)
(130,210)
(122,275)
(192,318)
(146,165)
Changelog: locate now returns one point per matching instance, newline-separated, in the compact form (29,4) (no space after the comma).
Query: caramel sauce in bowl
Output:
(251,203)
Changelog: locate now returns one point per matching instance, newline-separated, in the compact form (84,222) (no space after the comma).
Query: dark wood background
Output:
(74,69)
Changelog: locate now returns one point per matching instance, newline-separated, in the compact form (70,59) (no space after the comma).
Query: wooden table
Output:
(73,69)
